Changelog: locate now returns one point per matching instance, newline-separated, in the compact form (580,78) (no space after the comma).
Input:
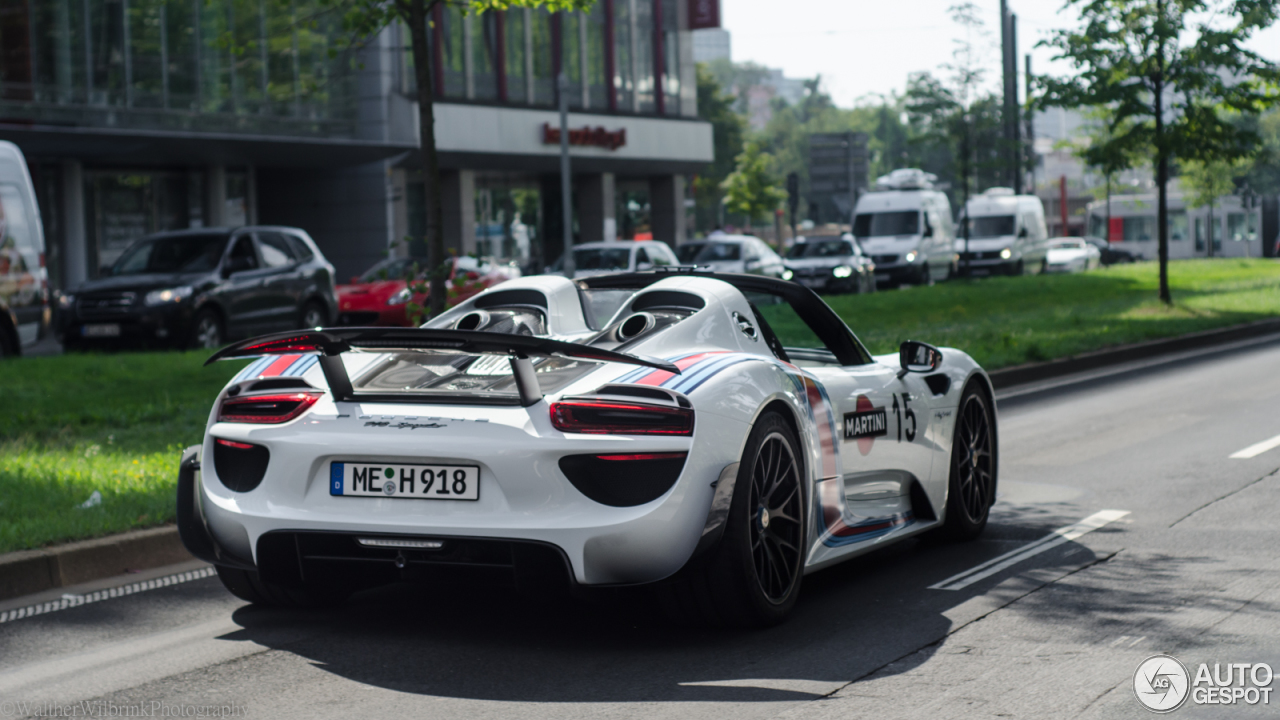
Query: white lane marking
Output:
(1013,557)
(68,600)
(1257,449)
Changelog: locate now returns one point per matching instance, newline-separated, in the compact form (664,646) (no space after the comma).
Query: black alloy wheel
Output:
(751,578)
(206,331)
(313,316)
(973,467)
(774,528)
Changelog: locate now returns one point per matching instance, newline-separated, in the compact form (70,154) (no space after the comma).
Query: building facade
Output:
(143,115)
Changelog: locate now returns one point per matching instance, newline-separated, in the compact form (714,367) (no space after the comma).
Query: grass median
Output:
(1006,321)
(115,424)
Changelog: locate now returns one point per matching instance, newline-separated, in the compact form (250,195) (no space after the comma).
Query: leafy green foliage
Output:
(1172,74)
(753,189)
(716,107)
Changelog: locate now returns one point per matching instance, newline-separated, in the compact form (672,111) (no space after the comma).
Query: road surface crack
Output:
(1238,490)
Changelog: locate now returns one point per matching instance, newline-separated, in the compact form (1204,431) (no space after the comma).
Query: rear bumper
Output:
(524,500)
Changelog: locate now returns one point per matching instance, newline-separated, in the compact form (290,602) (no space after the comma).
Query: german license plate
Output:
(882,277)
(813,282)
(101,330)
(408,482)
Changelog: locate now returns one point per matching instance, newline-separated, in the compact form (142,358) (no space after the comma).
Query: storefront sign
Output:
(704,14)
(586,136)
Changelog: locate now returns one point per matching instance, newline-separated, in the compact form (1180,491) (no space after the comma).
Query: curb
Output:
(27,572)
(1035,372)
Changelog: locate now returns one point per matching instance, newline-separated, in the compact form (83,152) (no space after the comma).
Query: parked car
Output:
(200,288)
(830,264)
(1071,254)
(602,258)
(732,254)
(381,296)
(24,282)
(1112,255)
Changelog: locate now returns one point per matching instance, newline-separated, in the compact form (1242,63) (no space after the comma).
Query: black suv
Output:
(200,288)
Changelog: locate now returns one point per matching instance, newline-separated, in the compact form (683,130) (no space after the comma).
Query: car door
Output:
(282,281)
(241,290)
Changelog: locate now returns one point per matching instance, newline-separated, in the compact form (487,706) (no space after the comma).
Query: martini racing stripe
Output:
(840,529)
(278,366)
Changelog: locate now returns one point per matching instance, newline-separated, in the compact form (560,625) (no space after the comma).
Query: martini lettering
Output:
(870,423)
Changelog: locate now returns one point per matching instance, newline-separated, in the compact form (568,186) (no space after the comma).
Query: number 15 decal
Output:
(904,414)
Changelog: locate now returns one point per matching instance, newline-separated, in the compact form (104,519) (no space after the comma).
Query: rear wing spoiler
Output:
(332,342)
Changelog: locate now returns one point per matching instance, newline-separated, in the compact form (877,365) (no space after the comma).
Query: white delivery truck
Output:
(905,226)
(1006,233)
(24,282)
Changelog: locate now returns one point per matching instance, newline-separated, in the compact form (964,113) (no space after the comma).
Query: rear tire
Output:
(971,488)
(752,578)
(206,331)
(313,316)
(248,586)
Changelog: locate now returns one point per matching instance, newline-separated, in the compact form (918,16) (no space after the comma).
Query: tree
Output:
(364,18)
(716,107)
(1171,73)
(1100,153)
(1208,181)
(752,189)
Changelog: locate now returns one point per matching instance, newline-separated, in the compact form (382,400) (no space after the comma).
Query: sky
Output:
(868,47)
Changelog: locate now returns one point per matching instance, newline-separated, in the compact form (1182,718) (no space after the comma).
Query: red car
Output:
(381,296)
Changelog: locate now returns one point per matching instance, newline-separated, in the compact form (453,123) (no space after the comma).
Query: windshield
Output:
(898,222)
(393,269)
(172,254)
(597,259)
(990,226)
(693,253)
(821,249)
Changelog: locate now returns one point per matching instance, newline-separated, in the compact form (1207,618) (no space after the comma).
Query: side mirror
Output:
(918,357)
(1022,233)
(355,279)
(644,266)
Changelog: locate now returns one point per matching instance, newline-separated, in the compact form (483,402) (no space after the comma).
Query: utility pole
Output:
(1009,63)
(1031,128)
(566,184)
(793,199)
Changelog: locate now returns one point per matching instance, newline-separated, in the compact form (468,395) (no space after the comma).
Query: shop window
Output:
(671,57)
(642,46)
(122,207)
(544,83)
(571,28)
(484,55)
(1177,227)
(515,55)
(597,89)
(624,55)
(449,55)
(1242,227)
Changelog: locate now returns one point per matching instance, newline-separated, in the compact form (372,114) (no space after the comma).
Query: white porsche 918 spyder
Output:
(715,435)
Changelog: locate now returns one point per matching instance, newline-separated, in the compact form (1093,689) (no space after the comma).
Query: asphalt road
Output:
(1191,570)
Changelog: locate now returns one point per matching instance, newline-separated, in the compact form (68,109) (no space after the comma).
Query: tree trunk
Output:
(1162,164)
(419,12)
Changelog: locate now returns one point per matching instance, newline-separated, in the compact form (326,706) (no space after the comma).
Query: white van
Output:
(24,283)
(1006,233)
(905,226)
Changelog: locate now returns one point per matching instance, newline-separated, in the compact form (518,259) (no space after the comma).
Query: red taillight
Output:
(234,444)
(618,418)
(639,456)
(266,409)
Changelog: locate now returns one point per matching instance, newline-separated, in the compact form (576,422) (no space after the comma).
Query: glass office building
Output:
(145,115)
